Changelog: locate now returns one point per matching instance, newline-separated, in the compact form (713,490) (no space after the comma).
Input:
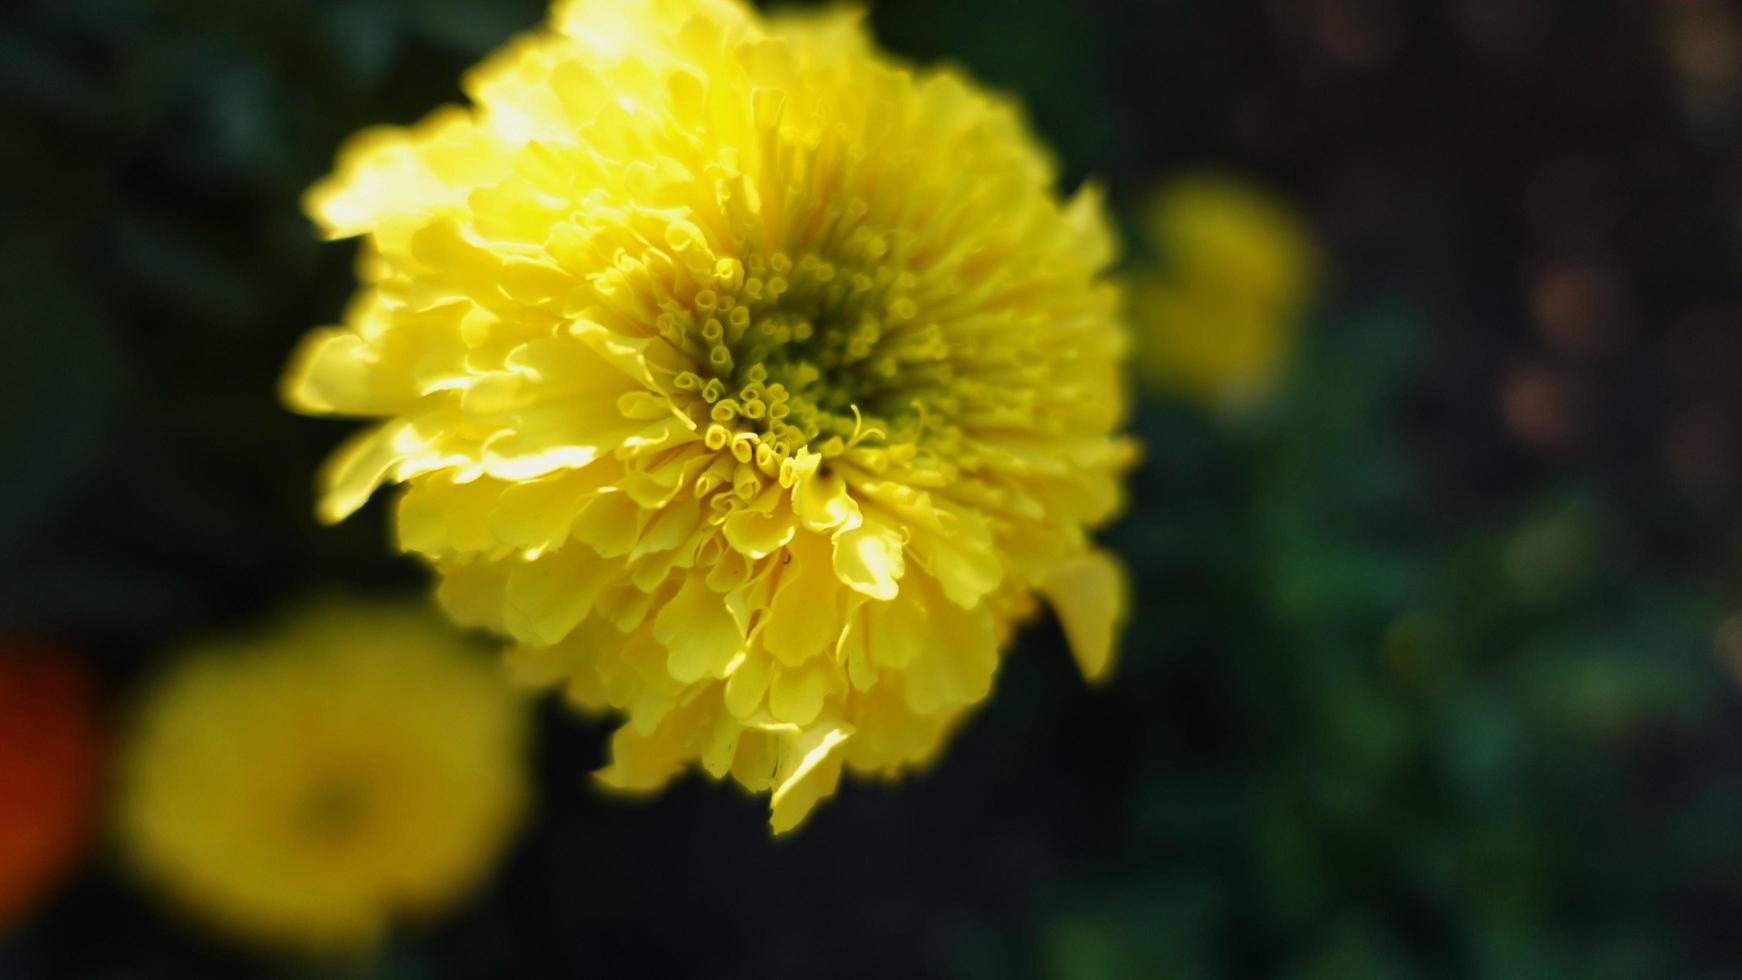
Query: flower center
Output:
(814,352)
(333,809)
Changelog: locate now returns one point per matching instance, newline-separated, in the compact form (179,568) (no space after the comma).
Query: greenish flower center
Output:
(333,810)
(815,352)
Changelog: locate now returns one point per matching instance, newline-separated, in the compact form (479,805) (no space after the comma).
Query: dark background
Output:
(1427,676)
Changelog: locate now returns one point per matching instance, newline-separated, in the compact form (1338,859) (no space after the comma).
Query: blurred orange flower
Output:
(48,768)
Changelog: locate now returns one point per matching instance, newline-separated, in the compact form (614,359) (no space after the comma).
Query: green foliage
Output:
(1429,755)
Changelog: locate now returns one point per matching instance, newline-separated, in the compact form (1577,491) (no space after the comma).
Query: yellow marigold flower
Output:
(754,383)
(310,784)
(1218,321)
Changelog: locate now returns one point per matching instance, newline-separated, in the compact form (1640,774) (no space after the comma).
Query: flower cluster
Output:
(754,383)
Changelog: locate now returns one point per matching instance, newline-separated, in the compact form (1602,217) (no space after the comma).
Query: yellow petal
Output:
(754,765)
(699,634)
(822,502)
(547,598)
(746,686)
(552,438)
(721,746)
(756,535)
(1089,595)
(669,529)
(610,524)
(643,763)
(852,650)
(802,621)
(965,562)
(439,516)
(382,173)
(796,694)
(334,373)
(351,475)
(809,771)
(536,515)
(868,558)
(897,632)
(960,655)
(471,593)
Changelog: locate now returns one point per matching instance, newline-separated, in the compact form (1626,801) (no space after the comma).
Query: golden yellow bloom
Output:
(753,383)
(308,785)
(1218,321)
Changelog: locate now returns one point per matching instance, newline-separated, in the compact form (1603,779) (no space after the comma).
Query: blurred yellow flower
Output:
(308,785)
(753,382)
(1217,322)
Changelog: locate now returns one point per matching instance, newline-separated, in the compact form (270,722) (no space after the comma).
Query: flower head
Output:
(310,784)
(48,770)
(1218,320)
(754,383)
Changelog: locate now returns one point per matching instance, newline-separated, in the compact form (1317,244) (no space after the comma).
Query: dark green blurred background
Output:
(1426,676)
